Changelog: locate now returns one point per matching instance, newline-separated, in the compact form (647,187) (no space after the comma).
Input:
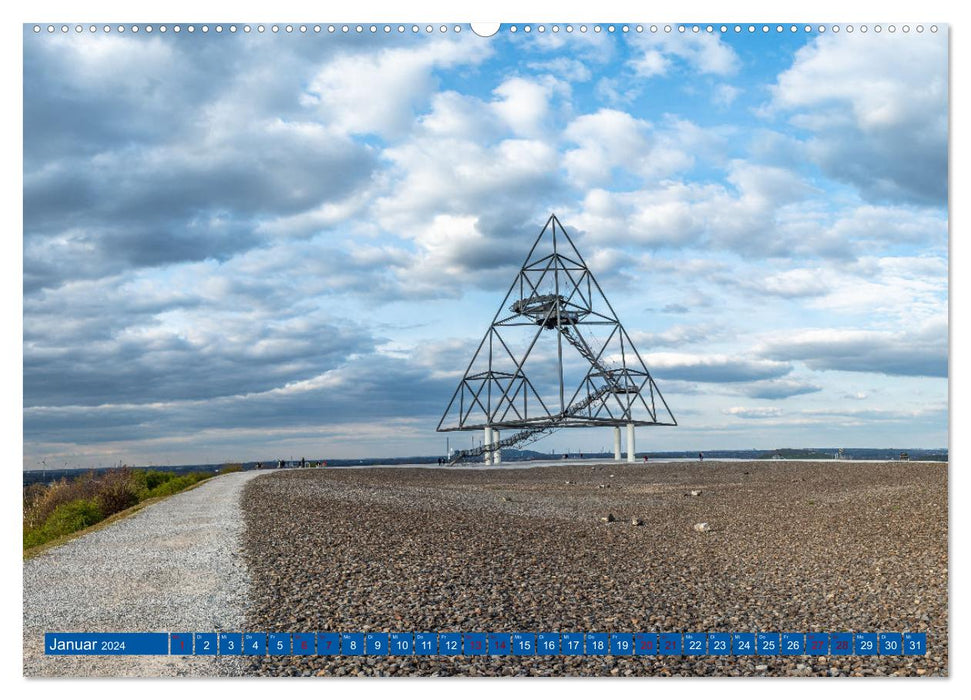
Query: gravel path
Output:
(793,546)
(173,567)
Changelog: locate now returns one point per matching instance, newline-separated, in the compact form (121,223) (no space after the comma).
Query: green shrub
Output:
(230,468)
(155,478)
(43,501)
(176,484)
(66,506)
(65,519)
(117,490)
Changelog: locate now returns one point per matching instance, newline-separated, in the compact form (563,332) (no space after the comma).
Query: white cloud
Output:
(676,335)
(650,63)
(150,63)
(606,140)
(524,105)
(898,291)
(745,218)
(881,226)
(757,413)
(563,67)
(612,140)
(462,160)
(665,216)
(589,47)
(615,91)
(378,92)
(877,106)
(780,389)
(724,95)
(454,115)
(460,176)
(698,53)
(920,352)
(713,368)
(800,282)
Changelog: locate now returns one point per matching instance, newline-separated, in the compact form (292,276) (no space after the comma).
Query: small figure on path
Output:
(701,457)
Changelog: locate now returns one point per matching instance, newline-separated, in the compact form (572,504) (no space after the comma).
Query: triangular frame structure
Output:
(617,389)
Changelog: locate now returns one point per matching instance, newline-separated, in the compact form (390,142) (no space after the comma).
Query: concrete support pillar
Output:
(630,442)
(487,440)
(497,455)
(616,443)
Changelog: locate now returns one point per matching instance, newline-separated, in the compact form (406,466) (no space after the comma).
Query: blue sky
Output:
(245,247)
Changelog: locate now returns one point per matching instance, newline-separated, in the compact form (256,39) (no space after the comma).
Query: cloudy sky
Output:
(243,246)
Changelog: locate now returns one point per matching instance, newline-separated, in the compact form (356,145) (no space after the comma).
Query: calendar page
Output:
(612,349)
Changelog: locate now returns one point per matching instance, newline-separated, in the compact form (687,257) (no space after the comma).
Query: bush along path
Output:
(52,511)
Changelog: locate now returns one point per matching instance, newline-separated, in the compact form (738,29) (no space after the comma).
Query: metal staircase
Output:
(528,435)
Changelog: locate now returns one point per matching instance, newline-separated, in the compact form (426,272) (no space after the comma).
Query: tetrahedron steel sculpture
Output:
(555,356)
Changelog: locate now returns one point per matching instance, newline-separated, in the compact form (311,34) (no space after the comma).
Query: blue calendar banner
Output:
(500,644)
(669,644)
(106,643)
(352,644)
(915,643)
(206,644)
(328,644)
(230,644)
(548,644)
(866,643)
(891,643)
(180,643)
(719,643)
(622,644)
(303,644)
(793,644)
(426,643)
(402,643)
(572,643)
(450,644)
(645,644)
(523,644)
(817,644)
(695,643)
(476,644)
(841,643)
(376,644)
(279,644)
(767,643)
(597,643)
(491,643)
(743,643)
(254,643)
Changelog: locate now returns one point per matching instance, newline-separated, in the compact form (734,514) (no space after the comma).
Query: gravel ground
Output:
(173,567)
(793,546)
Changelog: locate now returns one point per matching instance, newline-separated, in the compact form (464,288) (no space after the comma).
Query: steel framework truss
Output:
(554,291)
